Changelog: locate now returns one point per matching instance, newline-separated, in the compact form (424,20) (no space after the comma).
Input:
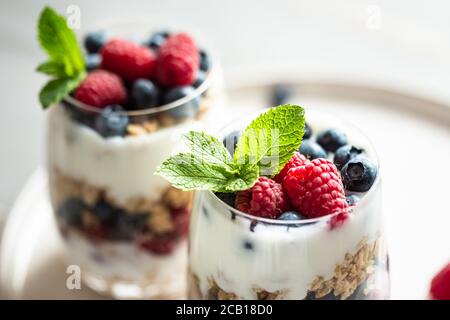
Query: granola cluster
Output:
(154,224)
(348,275)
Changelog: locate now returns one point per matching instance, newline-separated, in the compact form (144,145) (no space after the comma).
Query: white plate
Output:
(411,135)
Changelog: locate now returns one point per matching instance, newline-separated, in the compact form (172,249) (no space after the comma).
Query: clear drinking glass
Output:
(234,255)
(125,227)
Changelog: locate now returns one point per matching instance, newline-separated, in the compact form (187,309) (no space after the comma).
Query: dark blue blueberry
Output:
(201,77)
(281,95)
(253,225)
(106,214)
(188,109)
(231,140)
(344,154)
(112,121)
(93,61)
(94,41)
(70,211)
(332,139)
(227,197)
(157,39)
(312,150)
(77,114)
(129,225)
(248,245)
(359,174)
(205,211)
(352,199)
(144,94)
(290,215)
(205,63)
(308,132)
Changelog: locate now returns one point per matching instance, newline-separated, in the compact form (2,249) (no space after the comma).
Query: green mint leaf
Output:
(53,68)
(60,43)
(55,90)
(271,139)
(188,171)
(208,147)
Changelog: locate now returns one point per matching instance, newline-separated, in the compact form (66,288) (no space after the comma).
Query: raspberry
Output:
(316,188)
(297,160)
(440,285)
(178,61)
(129,60)
(101,88)
(181,218)
(159,245)
(265,199)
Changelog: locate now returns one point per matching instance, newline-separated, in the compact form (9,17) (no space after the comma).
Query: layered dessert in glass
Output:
(313,230)
(125,227)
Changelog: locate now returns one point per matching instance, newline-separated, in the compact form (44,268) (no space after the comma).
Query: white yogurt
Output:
(125,166)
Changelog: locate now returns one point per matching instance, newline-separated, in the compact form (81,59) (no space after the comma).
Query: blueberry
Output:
(205,64)
(128,225)
(312,150)
(359,174)
(248,245)
(352,199)
(70,211)
(344,154)
(105,213)
(231,140)
(280,95)
(227,197)
(112,121)
(201,77)
(94,41)
(157,39)
(93,61)
(290,215)
(188,109)
(144,94)
(332,139)
(308,132)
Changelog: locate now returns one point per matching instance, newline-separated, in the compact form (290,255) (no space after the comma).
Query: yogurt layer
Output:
(124,166)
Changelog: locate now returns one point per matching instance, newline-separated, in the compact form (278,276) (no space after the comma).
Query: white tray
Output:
(412,137)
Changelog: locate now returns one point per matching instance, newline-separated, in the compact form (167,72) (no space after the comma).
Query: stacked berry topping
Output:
(116,72)
(305,183)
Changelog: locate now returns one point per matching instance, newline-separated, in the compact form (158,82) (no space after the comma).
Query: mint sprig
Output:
(271,139)
(263,149)
(66,62)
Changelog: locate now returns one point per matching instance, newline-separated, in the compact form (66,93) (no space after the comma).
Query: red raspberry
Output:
(181,218)
(440,285)
(265,199)
(159,245)
(101,88)
(316,188)
(297,160)
(128,60)
(178,61)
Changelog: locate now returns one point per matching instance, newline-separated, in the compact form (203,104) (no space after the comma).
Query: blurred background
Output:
(401,45)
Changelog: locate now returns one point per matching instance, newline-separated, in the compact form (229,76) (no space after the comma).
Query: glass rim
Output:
(306,221)
(152,110)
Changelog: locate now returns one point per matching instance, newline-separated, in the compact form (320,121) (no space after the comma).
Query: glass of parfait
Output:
(125,227)
(313,231)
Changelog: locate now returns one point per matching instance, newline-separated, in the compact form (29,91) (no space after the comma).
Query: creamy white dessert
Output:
(234,255)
